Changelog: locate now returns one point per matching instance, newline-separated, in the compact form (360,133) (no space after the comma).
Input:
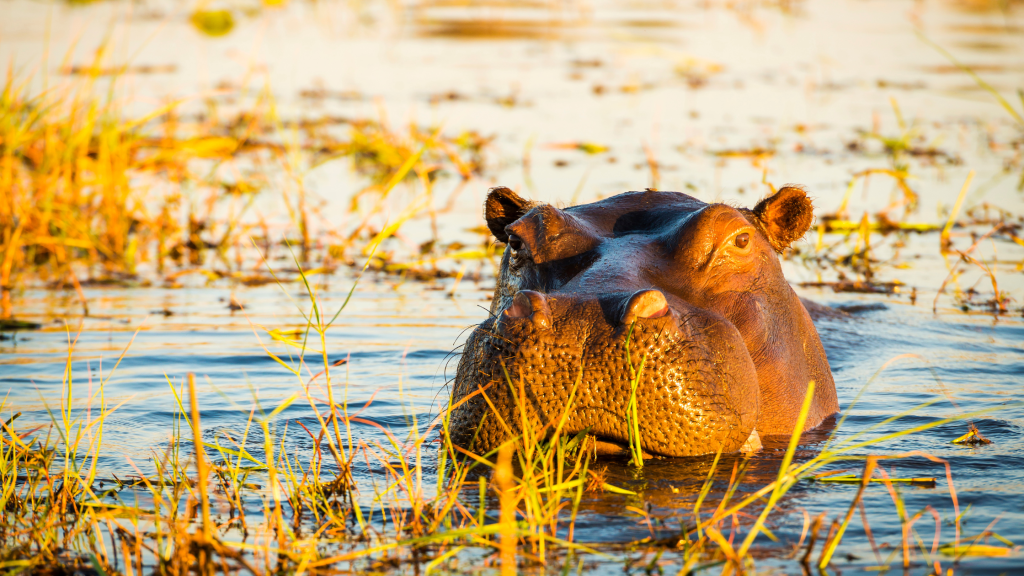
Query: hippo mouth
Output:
(560,358)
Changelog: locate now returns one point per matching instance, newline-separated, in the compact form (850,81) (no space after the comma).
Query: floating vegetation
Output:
(586,147)
(119,70)
(220,501)
(972,438)
(858,286)
(855,252)
(840,477)
(495,18)
(91,190)
(213,23)
(11,325)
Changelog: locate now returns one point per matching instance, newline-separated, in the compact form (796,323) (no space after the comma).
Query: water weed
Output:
(213,501)
(93,194)
(305,468)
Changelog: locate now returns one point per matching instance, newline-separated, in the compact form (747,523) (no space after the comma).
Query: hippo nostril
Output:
(645,304)
(527,303)
(519,309)
(516,311)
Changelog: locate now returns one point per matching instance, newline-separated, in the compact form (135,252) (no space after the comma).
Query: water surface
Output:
(696,87)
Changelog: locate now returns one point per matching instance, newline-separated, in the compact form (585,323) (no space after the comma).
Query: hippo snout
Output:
(697,387)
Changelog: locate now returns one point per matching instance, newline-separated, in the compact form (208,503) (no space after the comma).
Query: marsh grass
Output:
(850,249)
(212,501)
(846,246)
(93,193)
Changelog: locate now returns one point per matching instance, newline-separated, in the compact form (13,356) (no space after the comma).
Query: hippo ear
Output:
(785,216)
(502,208)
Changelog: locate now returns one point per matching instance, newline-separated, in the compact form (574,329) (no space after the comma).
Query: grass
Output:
(94,194)
(855,245)
(857,255)
(97,195)
(636,374)
(216,502)
(223,503)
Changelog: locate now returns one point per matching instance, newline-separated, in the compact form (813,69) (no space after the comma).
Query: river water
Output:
(680,82)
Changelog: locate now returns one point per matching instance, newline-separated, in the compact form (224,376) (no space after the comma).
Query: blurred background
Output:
(189,128)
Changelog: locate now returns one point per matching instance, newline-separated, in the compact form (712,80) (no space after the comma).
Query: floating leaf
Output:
(240,187)
(213,22)
(287,334)
(320,270)
(975,550)
(10,324)
(853,479)
(210,147)
(588,147)
(837,225)
(591,148)
(972,438)
(744,153)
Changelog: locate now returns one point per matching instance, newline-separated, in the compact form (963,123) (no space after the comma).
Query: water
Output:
(397,343)
(676,81)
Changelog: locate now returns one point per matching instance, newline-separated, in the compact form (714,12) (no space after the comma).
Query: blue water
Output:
(816,82)
(398,345)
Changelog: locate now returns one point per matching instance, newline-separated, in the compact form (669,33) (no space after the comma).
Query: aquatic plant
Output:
(215,501)
(91,193)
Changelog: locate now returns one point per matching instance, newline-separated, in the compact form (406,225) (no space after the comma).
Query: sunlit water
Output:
(681,79)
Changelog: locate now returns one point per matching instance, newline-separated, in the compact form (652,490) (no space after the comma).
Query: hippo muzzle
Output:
(655,288)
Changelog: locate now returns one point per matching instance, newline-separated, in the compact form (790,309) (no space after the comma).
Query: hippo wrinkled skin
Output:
(697,289)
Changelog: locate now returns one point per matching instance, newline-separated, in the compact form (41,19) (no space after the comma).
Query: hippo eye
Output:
(742,240)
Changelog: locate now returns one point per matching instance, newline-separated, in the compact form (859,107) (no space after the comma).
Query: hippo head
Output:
(692,292)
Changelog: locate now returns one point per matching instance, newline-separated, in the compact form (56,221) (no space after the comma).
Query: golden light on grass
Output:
(944,236)
(306,517)
(507,517)
(89,190)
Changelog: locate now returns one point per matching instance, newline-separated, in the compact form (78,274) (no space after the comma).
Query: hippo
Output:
(683,298)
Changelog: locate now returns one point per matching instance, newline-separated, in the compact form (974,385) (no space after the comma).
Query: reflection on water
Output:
(397,344)
(704,98)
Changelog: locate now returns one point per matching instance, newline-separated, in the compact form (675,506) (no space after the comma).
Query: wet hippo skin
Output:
(697,291)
